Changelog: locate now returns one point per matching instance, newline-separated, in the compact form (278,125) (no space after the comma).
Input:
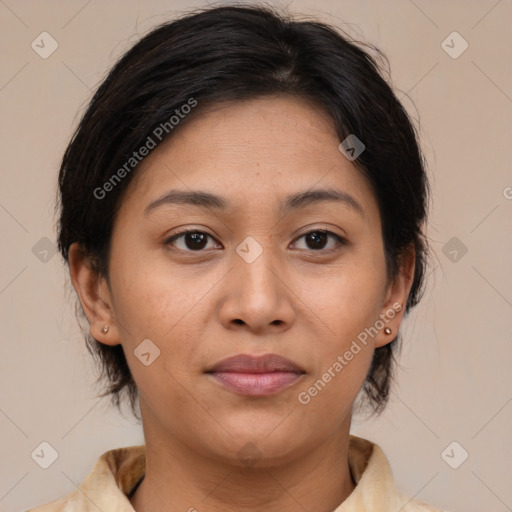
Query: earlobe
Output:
(94,297)
(396,298)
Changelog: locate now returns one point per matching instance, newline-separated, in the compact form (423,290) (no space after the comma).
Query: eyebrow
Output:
(292,202)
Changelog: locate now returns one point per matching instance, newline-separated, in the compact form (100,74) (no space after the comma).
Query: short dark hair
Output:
(233,53)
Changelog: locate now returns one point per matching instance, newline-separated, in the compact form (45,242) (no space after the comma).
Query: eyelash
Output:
(339,239)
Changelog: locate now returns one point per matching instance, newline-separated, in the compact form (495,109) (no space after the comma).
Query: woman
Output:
(242,208)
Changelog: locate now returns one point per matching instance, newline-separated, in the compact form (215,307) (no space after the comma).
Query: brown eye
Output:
(318,239)
(189,240)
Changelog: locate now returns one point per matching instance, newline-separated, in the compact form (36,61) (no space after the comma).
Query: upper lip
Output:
(245,363)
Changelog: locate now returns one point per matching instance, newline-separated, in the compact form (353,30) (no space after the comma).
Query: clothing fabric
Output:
(117,473)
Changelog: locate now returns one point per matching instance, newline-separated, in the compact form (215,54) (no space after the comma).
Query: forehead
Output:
(252,151)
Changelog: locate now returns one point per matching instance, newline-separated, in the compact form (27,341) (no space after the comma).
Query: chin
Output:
(263,443)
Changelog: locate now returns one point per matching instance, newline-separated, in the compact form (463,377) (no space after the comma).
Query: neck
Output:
(178,479)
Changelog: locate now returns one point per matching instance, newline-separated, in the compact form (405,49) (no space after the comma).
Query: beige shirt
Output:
(117,472)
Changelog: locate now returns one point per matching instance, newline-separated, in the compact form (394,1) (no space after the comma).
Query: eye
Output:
(318,239)
(189,240)
(194,240)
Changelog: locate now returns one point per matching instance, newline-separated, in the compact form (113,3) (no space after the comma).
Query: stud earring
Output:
(104,330)
(387,330)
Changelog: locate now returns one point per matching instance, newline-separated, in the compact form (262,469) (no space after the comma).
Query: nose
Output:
(257,296)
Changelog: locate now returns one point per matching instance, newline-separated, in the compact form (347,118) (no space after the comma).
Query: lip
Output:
(256,375)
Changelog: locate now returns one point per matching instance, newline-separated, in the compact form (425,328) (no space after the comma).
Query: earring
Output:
(387,330)
(104,330)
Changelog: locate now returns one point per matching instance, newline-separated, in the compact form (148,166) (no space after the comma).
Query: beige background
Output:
(455,379)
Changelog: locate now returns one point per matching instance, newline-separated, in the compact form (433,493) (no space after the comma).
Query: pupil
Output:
(198,240)
(318,239)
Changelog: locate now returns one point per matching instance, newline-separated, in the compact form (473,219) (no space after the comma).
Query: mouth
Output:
(256,375)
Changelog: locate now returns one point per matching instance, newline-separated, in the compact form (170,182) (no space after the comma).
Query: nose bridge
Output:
(257,295)
(257,264)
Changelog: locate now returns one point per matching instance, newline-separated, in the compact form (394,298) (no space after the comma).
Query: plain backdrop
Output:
(454,382)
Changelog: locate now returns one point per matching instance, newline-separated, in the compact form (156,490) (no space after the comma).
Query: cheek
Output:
(343,357)
(348,309)
(337,384)
(153,299)
(346,301)
(175,329)
(159,306)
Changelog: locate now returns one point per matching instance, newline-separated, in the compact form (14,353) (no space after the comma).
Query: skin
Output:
(305,303)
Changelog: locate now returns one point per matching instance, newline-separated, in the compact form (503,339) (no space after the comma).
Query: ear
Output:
(396,296)
(92,290)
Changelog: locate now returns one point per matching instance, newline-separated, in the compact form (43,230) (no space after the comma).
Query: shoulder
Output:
(106,487)
(376,486)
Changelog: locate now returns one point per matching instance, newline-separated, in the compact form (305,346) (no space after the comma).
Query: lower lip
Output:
(256,384)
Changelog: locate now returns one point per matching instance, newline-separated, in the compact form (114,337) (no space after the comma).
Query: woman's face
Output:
(257,275)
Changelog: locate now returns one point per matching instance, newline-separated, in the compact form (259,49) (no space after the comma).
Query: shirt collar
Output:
(117,472)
